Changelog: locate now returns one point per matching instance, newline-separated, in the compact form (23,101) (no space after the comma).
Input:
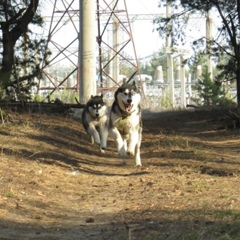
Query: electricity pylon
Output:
(113,37)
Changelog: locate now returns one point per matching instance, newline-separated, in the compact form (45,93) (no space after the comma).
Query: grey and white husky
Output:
(95,121)
(125,125)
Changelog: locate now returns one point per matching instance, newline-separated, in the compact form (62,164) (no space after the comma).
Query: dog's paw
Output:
(138,162)
(122,152)
(102,149)
(130,153)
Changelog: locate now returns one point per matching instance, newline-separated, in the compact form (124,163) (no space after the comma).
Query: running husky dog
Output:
(125,124)
(95,121)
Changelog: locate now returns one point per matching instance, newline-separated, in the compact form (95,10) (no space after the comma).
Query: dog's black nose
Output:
(129,100)
(97,114)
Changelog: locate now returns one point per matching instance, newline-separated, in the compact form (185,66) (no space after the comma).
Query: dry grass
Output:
(55,185)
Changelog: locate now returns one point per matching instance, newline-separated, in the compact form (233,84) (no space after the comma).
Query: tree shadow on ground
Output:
(148,224)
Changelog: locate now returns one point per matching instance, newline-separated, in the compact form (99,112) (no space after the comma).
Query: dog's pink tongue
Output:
(129,107)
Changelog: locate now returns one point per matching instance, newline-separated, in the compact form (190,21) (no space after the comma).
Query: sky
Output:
(146,40)
(145,36)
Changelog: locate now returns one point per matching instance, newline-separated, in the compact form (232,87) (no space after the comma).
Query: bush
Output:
(211,92)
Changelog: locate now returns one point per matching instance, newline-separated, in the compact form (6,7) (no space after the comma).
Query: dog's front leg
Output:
(94,134)
(133,140)
(137,157)
(118,140)
(103,136)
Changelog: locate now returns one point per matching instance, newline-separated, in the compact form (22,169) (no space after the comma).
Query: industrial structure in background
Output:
(90,28)
(91,38)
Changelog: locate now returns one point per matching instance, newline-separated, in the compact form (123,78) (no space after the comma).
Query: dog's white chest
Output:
(100,122)
(126,124)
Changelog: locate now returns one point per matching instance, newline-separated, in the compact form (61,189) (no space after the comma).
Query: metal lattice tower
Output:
(113,40)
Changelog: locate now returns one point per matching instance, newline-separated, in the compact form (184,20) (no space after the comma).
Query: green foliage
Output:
(23,49)
(226,41)
(210,92)
(10,195)
(150,67)
(38,98)
(166,101)
(158,59)
(227,69)
(66,96)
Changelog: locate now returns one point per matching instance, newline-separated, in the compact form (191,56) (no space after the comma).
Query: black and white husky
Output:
(125,124)
(95,121)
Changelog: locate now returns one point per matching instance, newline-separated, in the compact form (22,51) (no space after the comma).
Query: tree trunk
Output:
(238,85)
(10,36)
(8,58)
(238,59)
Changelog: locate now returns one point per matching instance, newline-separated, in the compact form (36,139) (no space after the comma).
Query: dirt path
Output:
(55,185)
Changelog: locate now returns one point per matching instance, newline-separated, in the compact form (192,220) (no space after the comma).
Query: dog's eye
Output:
(125,93)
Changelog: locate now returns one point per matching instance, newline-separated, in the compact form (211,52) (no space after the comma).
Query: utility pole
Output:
(209,29)
(87,45)
(115,45)
(169,54)
(183,82)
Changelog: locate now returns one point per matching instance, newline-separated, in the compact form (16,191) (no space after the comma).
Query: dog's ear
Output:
(136,86)
(101,95)
(91,96)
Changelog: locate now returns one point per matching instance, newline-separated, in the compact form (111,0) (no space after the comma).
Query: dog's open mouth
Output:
(128,107)
(97,118)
